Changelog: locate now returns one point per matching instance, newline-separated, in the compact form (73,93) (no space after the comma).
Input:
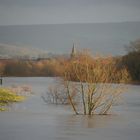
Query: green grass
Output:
(7,97)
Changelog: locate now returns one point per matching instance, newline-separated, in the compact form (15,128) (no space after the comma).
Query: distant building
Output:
(73,52)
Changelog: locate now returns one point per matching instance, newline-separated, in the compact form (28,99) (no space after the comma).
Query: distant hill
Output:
(104,38)
(13,51)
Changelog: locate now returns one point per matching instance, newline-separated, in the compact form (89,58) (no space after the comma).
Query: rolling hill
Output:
(14,51)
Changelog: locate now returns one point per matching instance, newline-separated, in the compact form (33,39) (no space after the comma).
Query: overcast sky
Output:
(15,12)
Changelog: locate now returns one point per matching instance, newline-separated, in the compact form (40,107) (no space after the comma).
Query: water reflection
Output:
(95,121)
(33,119)
(82,127)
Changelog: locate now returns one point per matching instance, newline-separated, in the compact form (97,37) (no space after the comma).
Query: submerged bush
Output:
(99,83)
(90,84)
(7,97)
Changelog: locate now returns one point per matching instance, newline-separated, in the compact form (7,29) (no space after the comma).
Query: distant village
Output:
(45,56)
(25,57)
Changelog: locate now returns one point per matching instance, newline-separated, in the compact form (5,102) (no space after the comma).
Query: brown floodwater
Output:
(33,119)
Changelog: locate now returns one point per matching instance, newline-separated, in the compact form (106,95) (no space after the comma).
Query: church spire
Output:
(73,53)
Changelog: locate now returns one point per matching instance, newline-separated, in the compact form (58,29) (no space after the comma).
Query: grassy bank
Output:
(7,97)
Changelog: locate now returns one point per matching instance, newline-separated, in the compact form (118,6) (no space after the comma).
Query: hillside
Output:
(104,38)
(13,51)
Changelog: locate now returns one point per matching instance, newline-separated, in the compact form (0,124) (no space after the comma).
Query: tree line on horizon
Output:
(132,60)
(55,66)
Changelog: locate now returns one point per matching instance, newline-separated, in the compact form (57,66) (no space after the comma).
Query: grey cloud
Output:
(66,11)
(67,2)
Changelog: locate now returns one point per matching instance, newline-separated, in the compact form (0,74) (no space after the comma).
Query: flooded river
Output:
(33,119)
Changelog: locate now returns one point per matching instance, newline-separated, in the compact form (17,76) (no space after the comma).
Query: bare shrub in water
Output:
(99,83)
(57,93)
(21,90)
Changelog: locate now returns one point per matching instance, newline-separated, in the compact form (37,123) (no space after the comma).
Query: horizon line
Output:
(67,23)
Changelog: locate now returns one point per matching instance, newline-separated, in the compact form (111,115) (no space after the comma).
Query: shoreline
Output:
(131,82)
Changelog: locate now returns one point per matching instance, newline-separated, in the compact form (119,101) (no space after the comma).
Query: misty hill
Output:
(108,38)
(13,51)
